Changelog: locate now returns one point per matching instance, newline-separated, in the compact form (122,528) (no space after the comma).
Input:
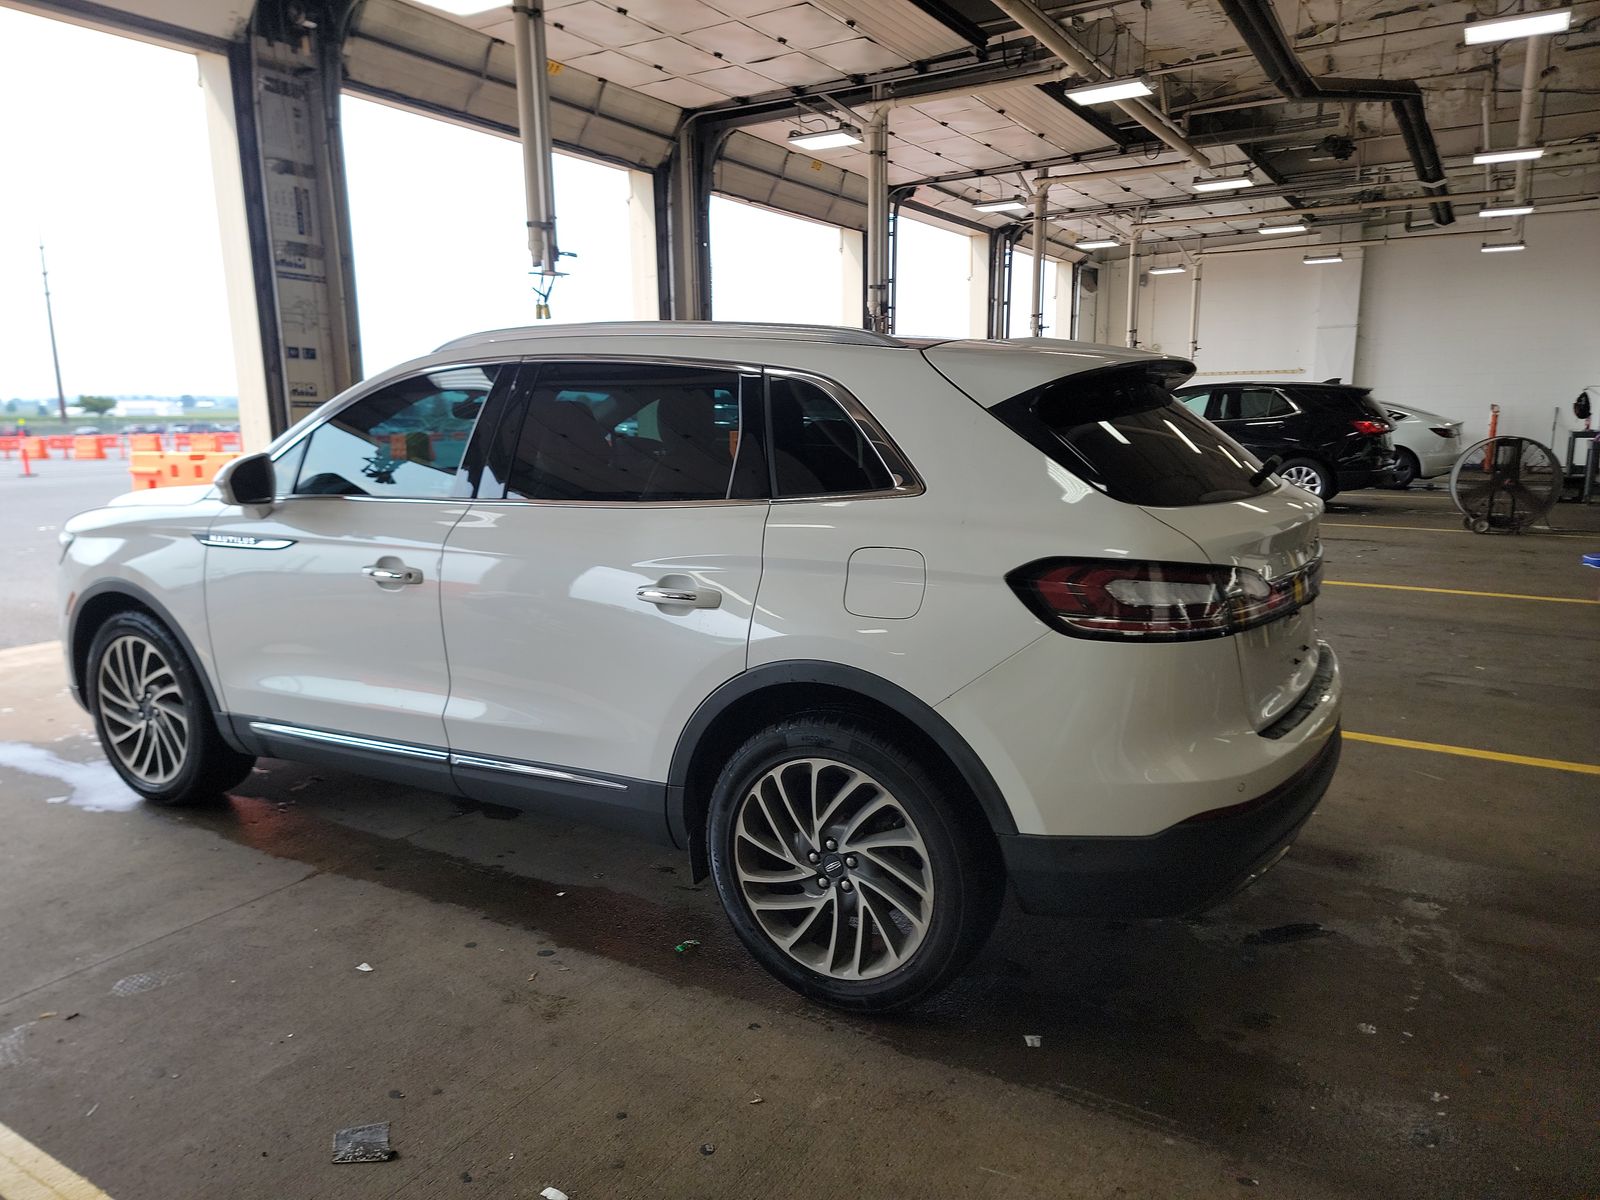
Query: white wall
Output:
(1428,321)
(1453,330)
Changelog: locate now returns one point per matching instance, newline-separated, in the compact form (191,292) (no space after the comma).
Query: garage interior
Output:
(1404,1006)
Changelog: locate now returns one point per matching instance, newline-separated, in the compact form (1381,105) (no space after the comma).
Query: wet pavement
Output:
(1405,1006)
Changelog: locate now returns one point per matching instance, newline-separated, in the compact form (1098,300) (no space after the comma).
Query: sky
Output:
(111,167)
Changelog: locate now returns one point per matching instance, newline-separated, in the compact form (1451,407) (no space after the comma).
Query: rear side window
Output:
(628,432)
(406,440)
(1120,430)
(817,449)
(1254,404)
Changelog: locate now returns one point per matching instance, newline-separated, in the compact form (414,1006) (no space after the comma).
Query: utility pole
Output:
(55,358)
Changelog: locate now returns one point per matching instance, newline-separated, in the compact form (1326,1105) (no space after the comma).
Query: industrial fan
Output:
(1505,483)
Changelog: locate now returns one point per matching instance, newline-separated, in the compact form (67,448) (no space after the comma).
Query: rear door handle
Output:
(386,575)
(697,598)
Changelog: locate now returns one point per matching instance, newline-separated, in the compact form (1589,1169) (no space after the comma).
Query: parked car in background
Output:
(832,612)
(1426,444)
(1328,437)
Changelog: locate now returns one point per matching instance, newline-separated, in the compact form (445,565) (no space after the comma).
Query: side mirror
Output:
(248,481)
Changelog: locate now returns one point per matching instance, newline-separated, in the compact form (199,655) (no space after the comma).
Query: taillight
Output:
(1371,427)
(1163,602)
(1444,431)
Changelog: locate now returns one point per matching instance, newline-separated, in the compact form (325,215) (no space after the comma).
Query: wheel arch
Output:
(762,695)
(98,604)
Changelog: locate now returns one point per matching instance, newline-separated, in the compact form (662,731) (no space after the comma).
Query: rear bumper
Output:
(1351,478)
(1189,866)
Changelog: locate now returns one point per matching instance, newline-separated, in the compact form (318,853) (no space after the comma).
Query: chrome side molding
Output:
(430,754)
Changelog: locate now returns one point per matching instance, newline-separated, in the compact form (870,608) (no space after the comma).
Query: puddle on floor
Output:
(91,786)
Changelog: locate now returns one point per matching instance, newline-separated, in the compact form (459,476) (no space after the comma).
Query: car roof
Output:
(1308,384)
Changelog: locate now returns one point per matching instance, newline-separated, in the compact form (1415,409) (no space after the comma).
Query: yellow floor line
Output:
(28,1173)
(1521,760)
(1406,587)
(1592,537)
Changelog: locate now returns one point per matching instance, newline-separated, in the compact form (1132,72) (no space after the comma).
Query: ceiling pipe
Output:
(1053,38)
(1325,210)
(1531,70)
(533,120)
(1258,25)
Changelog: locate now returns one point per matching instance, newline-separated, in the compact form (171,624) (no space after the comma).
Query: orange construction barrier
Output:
(145,443)
(10,445)
(87,447)
(151,470)
(36,447)
(180,441)
(59,441)
(204,443)
(230,441)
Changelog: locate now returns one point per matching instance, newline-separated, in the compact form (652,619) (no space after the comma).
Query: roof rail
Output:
(837,334)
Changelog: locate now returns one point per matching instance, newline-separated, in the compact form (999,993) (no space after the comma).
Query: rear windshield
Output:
(1120,430)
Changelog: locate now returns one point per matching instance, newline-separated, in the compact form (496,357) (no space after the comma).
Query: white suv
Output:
(868,626)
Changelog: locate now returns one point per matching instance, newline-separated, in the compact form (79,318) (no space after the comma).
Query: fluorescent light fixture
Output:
(1009,204)
(1501,247)
(1104,93)
(1499,156)
(1168,270)
(1312,260)
(1297,227)
(1096,244)
(825,139)
(1512,210)
(1225,184)
(463,8)
(1557,20)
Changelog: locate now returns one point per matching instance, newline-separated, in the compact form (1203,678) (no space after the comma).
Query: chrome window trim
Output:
(876,435)
(519,768)
(404,749)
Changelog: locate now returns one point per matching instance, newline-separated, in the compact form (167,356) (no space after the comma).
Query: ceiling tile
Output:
(858,55)
(618,68)
(734,81)
(975,118)
(735,42)
(673,16)
(682,93)
(674,57)
(748,8)
(802,26)
(604,25)
(560,44)
(794,70)
(980,157)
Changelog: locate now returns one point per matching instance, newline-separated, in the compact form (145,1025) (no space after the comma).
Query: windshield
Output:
(1120,430)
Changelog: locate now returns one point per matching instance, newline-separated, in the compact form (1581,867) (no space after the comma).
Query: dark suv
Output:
(1330,437)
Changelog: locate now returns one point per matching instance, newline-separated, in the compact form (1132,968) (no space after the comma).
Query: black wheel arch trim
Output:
(144,599)
(872,687)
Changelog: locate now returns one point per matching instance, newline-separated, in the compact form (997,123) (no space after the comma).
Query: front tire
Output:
(847,870)
(152,716)
(1406,470)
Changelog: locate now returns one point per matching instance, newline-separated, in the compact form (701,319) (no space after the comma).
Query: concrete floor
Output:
(529,1023)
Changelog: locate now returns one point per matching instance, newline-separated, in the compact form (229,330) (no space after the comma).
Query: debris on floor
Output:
(1032,1039)
(553,1193)
(362,1143)
(686,945)
(363,966)
(1297,931)
(708,1149)
(1366,1028)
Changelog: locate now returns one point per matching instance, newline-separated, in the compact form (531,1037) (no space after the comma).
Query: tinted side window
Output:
(1121,431)
(1255,404)
(628,432)
(817,449)
(405,440)
(1195,402)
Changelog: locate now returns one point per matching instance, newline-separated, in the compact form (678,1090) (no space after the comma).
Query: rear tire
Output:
(913,879)
(1407,468)
(1309,475)
(152,715)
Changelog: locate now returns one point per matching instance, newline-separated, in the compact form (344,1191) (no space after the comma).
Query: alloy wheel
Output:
(1305,478)
(142,710)
(833,869)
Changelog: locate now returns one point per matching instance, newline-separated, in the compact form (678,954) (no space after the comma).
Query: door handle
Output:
(385,575)
(701,598)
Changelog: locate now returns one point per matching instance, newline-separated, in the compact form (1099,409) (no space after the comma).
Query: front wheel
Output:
(152,717)
(846,869)
(1406,469)
(1309,476)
